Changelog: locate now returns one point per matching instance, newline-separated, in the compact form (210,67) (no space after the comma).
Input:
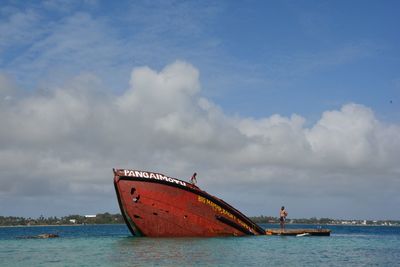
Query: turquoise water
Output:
(112,245)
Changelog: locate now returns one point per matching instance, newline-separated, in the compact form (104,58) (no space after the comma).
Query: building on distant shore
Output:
(90,216)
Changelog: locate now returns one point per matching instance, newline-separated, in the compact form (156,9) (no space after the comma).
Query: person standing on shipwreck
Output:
(193,179)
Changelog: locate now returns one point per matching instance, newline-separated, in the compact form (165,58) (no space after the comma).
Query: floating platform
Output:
(299,232)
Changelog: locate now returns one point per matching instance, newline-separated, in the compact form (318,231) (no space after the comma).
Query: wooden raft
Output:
(299,232)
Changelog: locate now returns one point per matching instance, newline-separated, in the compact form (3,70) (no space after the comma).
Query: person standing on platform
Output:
(193,180)
(282,217)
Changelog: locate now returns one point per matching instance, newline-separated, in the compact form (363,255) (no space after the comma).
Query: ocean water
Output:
(112,245)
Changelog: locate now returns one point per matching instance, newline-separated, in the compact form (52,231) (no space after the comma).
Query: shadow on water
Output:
(158,249)
(181,251)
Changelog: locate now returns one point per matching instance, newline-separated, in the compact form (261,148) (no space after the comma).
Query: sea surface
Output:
(113,245)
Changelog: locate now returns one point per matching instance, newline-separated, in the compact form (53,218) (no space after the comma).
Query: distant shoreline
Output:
(73,225)
(97,224)
(108,218)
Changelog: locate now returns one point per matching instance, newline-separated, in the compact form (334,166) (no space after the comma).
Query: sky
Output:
(272,103)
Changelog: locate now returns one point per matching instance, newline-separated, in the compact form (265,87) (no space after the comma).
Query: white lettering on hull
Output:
(152,175)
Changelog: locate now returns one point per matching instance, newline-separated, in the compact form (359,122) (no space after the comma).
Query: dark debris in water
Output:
(41,236)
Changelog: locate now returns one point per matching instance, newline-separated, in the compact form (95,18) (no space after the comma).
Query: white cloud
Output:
(65,141)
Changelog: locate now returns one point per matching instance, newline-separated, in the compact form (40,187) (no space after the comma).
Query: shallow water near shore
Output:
(113,245)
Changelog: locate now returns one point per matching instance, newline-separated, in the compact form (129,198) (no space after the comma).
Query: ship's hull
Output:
(159,206)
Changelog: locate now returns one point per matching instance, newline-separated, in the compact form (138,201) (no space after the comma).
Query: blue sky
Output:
(256,57)
(295,92)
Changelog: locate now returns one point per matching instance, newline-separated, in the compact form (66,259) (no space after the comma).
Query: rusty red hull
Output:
(156,205)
